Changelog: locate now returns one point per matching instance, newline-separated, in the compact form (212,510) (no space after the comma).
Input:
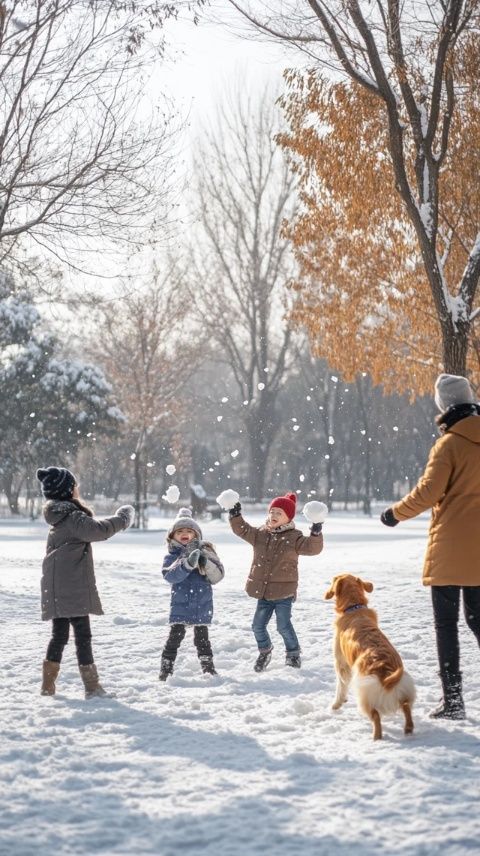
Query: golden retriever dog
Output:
(363,652)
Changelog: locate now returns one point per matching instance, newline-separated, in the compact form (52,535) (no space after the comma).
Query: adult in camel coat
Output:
(450,486)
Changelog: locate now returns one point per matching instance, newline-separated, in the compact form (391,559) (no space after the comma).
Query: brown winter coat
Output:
(68,581)
(450,486)
(274,571)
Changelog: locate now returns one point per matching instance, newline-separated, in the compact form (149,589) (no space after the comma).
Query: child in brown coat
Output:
(273,578)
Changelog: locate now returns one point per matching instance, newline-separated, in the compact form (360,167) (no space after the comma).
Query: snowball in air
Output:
(171,469)
(172,494)
(315,511)
(228,498)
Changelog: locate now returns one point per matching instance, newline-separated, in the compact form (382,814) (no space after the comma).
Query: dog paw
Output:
(337,705)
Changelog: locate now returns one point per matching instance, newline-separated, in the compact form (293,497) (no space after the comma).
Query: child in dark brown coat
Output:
(273,578)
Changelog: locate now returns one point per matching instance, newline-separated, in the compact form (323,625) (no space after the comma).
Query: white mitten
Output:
(127,513)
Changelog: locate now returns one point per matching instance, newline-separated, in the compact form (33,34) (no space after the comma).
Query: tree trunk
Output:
(257,467)
(261,426)
(139,486)
(330,482)
(455,347)
(367,495)
(12,492)
(367,479)
(346,492)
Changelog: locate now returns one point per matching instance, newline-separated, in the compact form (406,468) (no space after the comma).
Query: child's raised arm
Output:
(309,545)
(89,529)
(240,526)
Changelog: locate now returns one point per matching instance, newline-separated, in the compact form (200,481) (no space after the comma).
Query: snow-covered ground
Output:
(241,764)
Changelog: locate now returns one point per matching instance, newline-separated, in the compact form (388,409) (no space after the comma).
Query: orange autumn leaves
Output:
(362,292)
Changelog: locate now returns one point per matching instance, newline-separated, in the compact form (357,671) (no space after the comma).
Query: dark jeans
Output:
(283,612)
(83,639)
(446,609)
(176,636)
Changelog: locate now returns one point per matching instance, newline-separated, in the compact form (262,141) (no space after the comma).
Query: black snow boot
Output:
(166,669)
(206,663)
(452,706)
(263,660)
(293,660)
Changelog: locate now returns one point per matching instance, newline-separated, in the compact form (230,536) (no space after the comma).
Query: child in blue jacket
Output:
(191,566)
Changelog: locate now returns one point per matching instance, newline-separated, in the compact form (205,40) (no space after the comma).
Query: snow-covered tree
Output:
(141,342)
(84,155)
(51,404)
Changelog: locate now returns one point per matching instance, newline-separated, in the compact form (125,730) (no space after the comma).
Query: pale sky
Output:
(203,62)
(211,57)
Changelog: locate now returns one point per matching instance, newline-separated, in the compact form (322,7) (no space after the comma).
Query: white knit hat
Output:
(452,389)
(185,520)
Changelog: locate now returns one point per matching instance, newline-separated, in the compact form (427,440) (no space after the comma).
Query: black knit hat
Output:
(57,482)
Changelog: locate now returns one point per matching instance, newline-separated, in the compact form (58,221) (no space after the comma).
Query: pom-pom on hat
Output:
(452,389)
(287,503)
(184,520)
(57,482)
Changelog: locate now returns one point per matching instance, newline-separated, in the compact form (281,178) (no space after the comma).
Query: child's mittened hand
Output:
(228,498)
(192,559)
(316,528)
(127,513)
(315,511)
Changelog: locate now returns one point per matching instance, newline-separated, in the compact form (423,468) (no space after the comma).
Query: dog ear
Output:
(334,589)
(367,586)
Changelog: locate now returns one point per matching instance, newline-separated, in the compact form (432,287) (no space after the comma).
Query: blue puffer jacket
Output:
(191,601)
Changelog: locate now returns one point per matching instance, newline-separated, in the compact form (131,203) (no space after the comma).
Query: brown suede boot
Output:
(93,687)
(50,674)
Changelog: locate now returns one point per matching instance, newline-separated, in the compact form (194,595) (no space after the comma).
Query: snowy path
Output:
(241,764)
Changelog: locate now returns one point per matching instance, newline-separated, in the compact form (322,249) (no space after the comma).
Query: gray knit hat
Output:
(452,389)
(57,482)
(185,520)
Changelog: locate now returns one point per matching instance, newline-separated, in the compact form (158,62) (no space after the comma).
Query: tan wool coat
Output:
(274,571)
(450,486)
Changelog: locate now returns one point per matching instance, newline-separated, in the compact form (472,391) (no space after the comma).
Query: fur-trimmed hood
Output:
(56,509)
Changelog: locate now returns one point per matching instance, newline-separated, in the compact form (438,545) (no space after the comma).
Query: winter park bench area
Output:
(203,504)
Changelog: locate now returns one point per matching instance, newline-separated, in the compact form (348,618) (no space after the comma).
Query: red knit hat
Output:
(287,503)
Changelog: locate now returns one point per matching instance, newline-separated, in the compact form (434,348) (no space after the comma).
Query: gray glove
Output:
(192,560)
(202,563)
(127,513)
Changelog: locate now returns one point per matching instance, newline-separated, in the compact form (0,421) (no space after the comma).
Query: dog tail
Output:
(392,679)
(373,695)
